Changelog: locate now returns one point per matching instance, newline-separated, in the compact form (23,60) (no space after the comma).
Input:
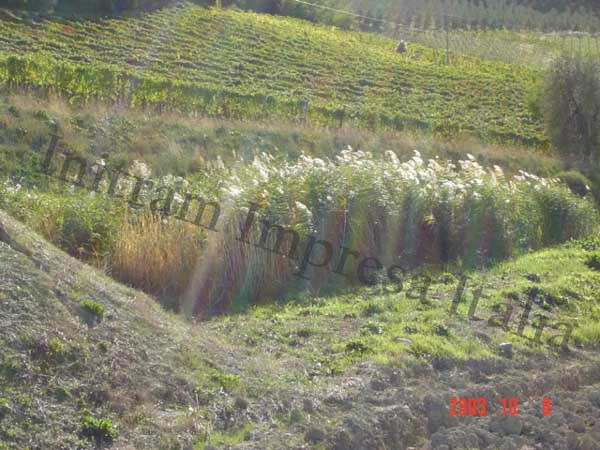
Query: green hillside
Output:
(226,63)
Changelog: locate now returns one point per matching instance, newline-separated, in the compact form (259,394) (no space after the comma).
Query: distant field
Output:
(512,47)
(226,63)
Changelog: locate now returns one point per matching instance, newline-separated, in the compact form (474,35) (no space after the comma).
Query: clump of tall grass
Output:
(156,255)
(413,213)
(461,208)
(140,248)
(81,223)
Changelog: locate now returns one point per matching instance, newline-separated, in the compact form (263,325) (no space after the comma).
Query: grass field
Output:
(226,63)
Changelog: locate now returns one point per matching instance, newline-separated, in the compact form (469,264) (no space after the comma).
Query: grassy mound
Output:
(245,65)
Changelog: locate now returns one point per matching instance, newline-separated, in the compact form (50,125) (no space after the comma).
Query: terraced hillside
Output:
(244,65)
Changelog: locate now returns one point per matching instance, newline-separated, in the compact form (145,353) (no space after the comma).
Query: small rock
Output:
(508,425)
(314,435)
(578,425)
(308,406)
(404,341)
(506,349)
(597,429)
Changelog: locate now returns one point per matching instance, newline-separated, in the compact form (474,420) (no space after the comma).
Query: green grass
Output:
(232,64)
(336,332)
(225,439)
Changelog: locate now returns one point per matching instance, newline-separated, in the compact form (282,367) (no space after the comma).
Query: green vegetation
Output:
(333,136)
(231,438)
(539,14)
(433,213)
(88,8)
(93,310)
(230,64)
(173,144)
(593,261)
(101,430)
(577,182)
(160,378)
(520,47)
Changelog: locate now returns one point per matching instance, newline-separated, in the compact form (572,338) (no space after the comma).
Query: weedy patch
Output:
(92,312)
(102,431)
(218,439)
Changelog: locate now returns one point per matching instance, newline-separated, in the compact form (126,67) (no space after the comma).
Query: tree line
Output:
(583,15)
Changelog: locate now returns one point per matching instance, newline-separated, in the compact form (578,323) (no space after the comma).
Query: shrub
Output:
(577,182)
(93,312)
(88,226)
(157,255)
(4,408)
(101,430)
(79,223)
(56,347)
(357,347)
(562,216)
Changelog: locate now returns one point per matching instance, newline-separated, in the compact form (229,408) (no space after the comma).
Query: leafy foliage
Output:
(94,311)
(101,430)
(83,225)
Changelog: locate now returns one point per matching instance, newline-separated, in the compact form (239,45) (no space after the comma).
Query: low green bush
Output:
(87,227)
(82,224)
(93,312)
(102,431)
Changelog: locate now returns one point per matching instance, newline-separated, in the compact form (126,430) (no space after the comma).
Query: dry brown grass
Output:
(157,257)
